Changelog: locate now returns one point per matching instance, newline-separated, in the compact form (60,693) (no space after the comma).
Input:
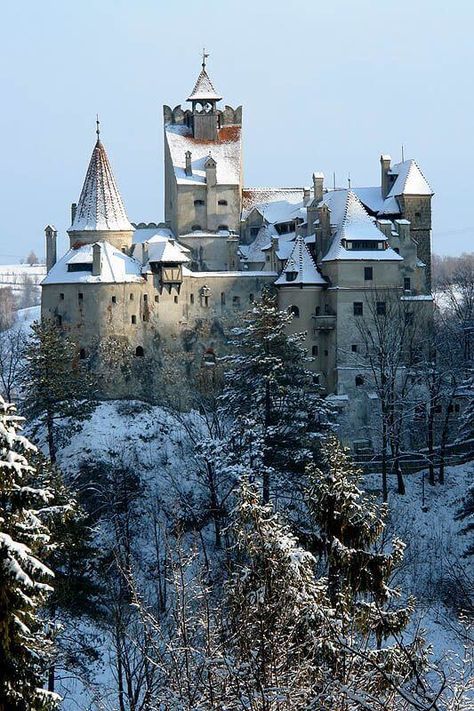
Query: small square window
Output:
(157,299)
(61,297)
(134,319)
(381,308)
(80,296)
(114,299)
(131,297)
(145,297)
(354,348)
(368,273)
(358,308)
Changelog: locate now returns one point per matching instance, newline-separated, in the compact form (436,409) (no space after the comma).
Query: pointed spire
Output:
(300,268)
(204,89)
(100,207)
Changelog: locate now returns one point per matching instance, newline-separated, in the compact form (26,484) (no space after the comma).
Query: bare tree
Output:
(12,362)
(7,308)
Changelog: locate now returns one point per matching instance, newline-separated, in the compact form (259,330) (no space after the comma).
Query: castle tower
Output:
(204,100)
(203,173)
(100,213)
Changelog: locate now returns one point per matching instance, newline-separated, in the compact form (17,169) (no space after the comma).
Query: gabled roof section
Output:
(301,262)
(357,226)
(117,267)
(204,88)
(410,180)
(164,250)
(100,206)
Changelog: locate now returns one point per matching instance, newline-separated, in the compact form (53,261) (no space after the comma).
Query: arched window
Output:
(295,311)
(82,354)
(199,203)
(222,202)
(359,380)
(195,228)
(139,352)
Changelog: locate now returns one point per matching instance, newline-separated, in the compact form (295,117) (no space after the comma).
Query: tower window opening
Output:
(222,202)
(354,348)
(175,299)
(295,311)
(61,297)
(315,350)
(157,299)
(222,298)
(139,352)
(82,354)
(359,380)
(80,296)
(145,297)
(407,284)
(191,298)
(134,319)
(114,299)
(131,297)
(196,228)
(223,228)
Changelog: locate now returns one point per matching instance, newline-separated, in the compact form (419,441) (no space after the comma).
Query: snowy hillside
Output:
(157,444)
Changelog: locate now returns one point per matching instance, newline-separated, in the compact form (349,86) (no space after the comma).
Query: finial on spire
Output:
(205,55)
(97,124)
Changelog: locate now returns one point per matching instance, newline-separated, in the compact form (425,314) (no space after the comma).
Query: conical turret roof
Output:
(204,88)
(100,207)
(301,267)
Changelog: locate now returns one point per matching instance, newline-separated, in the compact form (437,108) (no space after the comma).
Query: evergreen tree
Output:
(58,386)
(349,526)
(24,579)
(278,614)
(278,414)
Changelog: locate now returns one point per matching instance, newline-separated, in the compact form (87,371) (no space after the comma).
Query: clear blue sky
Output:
(324,87)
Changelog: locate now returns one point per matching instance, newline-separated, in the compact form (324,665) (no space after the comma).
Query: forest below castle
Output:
(233,555)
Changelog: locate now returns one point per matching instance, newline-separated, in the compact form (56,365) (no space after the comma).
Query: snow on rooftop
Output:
(161,249)
(204,89)
(300,262)
(226,151)
(142,234)
(410,180)
(216,275)
(356,225)
(261,197)
(116,267)
(100,206)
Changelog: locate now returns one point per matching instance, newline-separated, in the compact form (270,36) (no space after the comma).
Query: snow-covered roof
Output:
(100,206)
(204,89)
(162,249)
(356,225)
(226,151)
(410,180)
(301,262)
(142,234)
(116,267)
(215,275)
(256,197)
(372,198)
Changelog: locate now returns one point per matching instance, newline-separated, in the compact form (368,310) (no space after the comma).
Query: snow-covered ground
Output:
(157,443)
(14,274)
(25,317)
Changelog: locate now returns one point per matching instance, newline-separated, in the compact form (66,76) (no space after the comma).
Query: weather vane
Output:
(97,123)
(204,57)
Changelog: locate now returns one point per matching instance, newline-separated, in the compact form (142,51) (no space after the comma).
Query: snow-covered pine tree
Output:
(57,386)
(24,579)
(278,414)
(278,626)
(358,571)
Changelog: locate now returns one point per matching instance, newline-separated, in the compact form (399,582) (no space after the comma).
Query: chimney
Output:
(73,212)
(233,253)
(51,248)
(211,172)
(306,196)
(188,169)
(385,162)
(144,252)
(385,226)
(96,259)
(318,186)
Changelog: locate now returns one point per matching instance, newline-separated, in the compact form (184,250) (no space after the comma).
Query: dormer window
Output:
(291,276)
(80,267)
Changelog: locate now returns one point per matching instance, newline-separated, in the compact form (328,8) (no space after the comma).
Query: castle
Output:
(177,287)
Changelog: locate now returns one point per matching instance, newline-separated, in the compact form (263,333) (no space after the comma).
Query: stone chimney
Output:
(144,252)
(233,262)
(96,259)
(403,229)
(306,196)
(385,162)
(73,212)
(51,246)
(385,226)
(318,186)
(211,172)
(188,169)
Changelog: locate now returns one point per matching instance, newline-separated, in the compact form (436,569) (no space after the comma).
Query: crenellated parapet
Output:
(184,117)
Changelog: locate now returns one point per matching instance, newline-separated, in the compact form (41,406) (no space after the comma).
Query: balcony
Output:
(326,322)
